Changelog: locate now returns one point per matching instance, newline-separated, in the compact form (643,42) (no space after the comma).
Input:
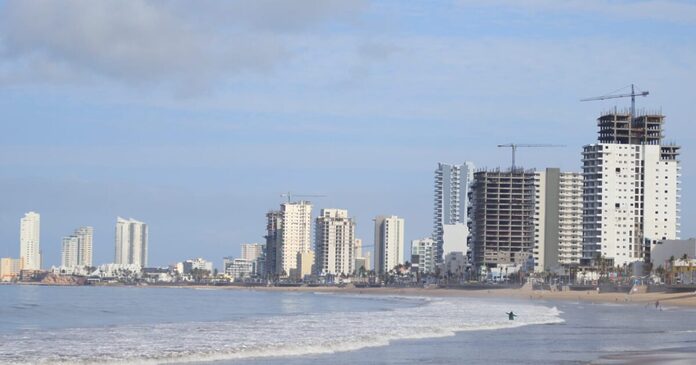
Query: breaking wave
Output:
(278,335)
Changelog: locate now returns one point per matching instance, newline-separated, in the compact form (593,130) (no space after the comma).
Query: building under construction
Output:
(502,207)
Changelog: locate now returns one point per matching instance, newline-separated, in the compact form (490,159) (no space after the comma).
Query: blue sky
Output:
(194,117)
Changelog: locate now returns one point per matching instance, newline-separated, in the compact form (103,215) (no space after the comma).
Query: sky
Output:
(194,116)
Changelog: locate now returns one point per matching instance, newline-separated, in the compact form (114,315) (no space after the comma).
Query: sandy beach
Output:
(665,299)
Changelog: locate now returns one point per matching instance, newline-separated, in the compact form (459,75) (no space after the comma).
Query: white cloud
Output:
(141,42)
(661,10)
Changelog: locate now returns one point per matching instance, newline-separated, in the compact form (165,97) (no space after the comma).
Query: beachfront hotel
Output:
(631,188)
(30,241)
(389,243)
(334,242)
(131,242)
(451,203)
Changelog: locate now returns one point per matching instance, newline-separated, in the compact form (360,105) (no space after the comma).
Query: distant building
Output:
(425,249)
(334,242)
(254,253)
(85,238)
(557,219)
(197,264)
(69,252)
(389,243)
(665,250)
(289,232)
(30,241)
(274,224)
(305,265)
(455,264)
(131,242)
(631,188)
(77,248)
(362,258)
(9,268)
(451,203)
(502,227)
(239,268)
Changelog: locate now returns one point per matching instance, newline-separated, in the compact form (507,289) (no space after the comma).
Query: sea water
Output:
(102,325)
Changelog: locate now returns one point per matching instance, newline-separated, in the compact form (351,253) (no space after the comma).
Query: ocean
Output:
(129,325)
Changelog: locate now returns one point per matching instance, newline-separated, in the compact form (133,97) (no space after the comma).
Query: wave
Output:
(272,336)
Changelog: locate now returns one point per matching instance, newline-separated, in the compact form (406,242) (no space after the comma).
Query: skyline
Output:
(338,100)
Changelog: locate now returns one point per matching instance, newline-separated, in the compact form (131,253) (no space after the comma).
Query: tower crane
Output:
(632,94)
(290,195)
(514,146)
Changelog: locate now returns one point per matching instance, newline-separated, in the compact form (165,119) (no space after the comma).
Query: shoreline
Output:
(687,300)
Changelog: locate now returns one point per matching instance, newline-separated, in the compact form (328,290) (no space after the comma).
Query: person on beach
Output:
(511,315)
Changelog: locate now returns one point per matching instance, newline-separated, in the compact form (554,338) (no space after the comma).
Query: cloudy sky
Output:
(195,116)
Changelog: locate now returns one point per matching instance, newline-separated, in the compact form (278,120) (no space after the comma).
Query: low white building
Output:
(423,253)
(239,268)
(455,264)
(196,264)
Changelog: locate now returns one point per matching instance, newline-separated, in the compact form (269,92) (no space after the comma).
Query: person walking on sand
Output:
(657,304)
(511,315)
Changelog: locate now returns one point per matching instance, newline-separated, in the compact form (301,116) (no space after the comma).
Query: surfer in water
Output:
(511,315)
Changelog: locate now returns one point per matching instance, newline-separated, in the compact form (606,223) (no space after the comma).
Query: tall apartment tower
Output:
(335,242)
(502,205)
(450,221)
(253,252)
(631,188)
(293,235)
(69,252)
(274,223)
(131,242)
(85,238)
(557,219)
(389,243)
(29,241)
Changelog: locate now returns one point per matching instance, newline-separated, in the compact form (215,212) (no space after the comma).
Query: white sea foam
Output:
(281,335)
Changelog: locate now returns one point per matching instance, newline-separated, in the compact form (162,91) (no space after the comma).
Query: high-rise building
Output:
(29,241)
(77,248)
(274,224)
(85,238)
(389,243)
(424,249)
(69,252)
(289,233)
(450,229)
(631,188)
(335,242)
(502,206)
(131,242)
(557,219)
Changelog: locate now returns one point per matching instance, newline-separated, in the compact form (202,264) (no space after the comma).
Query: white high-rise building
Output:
(631,188)
(335,242)
(131,242)
(77,248)
(557,219)
(450,230)
(295,235)
(425,250)
(85,238)
(29,241)
(69,252)
(389,243)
